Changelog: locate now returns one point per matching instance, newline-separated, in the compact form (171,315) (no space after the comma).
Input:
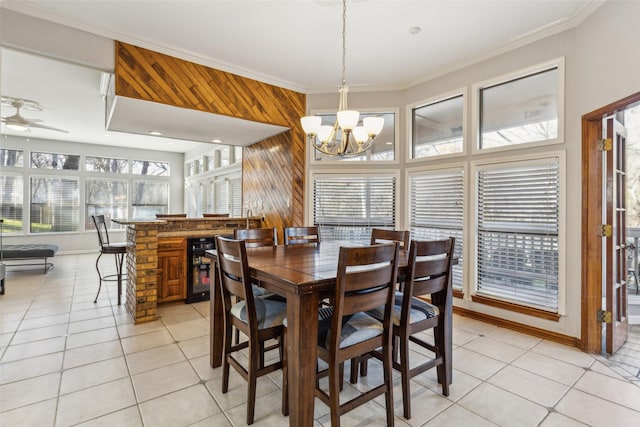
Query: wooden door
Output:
(614,245)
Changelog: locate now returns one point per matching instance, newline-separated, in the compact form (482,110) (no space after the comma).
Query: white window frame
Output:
(450,167)
(434,100)
(558,63)
(478,165)
(311,158)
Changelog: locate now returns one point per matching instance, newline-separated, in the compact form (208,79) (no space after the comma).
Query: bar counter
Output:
(143,240)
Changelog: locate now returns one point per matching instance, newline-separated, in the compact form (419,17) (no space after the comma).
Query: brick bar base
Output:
(142,254)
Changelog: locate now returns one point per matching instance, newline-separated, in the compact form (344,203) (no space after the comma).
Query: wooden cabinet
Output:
(171,270)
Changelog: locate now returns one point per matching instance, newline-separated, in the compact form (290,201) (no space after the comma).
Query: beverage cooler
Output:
(200,271)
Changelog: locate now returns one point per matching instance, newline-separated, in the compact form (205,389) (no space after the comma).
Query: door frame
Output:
(591,248)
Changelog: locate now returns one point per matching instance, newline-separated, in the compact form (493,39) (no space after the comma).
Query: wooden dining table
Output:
(303,274)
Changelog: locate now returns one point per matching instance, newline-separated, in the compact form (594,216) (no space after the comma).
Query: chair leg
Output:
(355,363)
(285,373)
(404,374)
(335,381)
(119,263)
(251,380)
(387,366)
(99,278)
(225,360)
(442,335)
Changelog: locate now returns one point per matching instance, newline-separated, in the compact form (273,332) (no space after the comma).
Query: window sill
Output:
(516,307)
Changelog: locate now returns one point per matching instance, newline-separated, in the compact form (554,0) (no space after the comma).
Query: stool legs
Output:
(119,264)
(99,277)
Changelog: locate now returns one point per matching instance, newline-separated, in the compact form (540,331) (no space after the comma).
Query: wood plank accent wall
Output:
(273,170)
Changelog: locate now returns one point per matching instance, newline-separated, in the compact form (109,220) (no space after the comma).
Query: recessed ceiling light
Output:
(155,133)
(107,134)
(216,140)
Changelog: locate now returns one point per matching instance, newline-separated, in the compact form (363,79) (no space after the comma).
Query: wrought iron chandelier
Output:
(346,138)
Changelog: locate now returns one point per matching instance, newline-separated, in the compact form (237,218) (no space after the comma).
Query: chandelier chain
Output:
(344,42)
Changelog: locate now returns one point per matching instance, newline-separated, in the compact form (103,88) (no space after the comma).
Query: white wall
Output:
(602,65)
(87,241)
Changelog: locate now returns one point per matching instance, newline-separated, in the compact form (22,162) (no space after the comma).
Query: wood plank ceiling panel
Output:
(273,170)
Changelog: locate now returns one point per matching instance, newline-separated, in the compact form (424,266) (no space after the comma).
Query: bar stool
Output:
(106,247)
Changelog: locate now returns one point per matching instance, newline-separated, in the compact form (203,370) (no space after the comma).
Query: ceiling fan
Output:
(19,123)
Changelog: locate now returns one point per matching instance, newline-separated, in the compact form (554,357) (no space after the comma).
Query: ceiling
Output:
(293,43)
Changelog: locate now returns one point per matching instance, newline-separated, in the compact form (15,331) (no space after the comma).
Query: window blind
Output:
(11,202)
(55,204)
(236,197)
(518,217)
(436,210)
(347,207)
(222,196)
(106,197)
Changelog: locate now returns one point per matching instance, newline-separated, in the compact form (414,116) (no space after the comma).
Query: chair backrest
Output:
(101,228)
(299,235)
(177,215)
(233,271)
(380,235)
(429,272)
(215,215)
(257,237)
(365,280)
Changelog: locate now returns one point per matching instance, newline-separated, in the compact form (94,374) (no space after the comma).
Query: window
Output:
(221,190)
(105,164)
(235,186)
(383,148)
(11,196)
(518,229)
(227,196)
(106,197)
(436,210)
(145,167)
(438,128)
(149,198)
(523,108)
(11,157)
(55,204)
(55,161)
(347,207)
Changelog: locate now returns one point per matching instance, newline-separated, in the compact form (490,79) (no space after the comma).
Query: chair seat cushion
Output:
(420,310)
(355,329)
(269,313)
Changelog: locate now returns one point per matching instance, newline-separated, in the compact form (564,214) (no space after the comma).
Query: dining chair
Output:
(106,247)
(174,215)
(257,237)
(381,235)
(258,319)
(366,278)
(429,274)
(300,235)
(215,215)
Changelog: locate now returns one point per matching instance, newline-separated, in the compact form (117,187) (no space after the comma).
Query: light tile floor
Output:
(67,361)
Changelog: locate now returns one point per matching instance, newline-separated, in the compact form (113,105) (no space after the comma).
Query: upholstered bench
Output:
(30,251)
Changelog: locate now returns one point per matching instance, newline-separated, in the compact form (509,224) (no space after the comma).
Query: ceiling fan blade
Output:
(38,126)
